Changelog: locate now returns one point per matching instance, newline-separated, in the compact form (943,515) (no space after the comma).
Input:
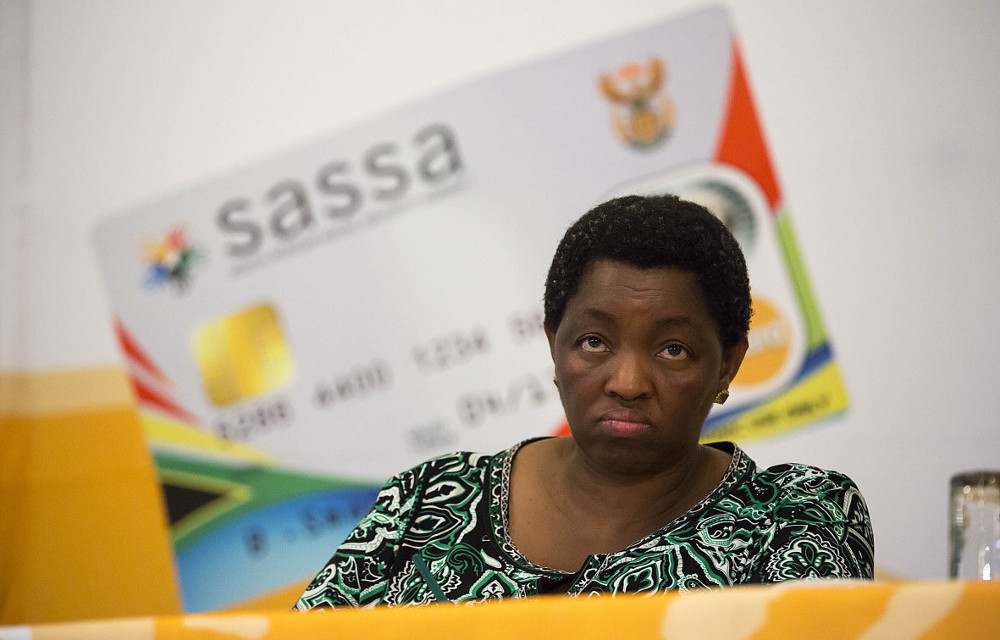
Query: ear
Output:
(552,342)
(732,358)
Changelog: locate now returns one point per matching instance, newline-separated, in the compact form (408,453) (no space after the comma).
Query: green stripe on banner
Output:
(815,329)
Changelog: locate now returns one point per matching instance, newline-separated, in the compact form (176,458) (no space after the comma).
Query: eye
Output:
(674,352)
(593,344)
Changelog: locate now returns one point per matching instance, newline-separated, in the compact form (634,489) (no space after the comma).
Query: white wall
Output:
(882,117)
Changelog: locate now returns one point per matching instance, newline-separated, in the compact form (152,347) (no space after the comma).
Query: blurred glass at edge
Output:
(975,526)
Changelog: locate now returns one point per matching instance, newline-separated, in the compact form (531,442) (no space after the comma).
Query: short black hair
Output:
(656,231)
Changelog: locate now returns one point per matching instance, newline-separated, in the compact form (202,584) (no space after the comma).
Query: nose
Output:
(628,377)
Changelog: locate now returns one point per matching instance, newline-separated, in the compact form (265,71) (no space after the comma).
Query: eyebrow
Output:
(603,316)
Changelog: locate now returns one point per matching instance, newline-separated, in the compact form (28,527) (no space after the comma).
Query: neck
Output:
(657,496)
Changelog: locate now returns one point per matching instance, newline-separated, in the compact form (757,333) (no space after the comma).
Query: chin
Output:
(627,457)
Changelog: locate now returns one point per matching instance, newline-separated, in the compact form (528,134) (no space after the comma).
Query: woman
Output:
(647,308)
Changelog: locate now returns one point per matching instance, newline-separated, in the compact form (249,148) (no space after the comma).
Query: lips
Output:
(624,422)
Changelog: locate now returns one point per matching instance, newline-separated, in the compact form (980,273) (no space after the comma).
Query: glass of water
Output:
(975,525)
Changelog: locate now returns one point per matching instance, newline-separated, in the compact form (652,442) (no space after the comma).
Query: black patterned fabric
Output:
(439,531)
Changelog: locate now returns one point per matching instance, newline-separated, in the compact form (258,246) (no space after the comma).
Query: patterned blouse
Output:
(439,532)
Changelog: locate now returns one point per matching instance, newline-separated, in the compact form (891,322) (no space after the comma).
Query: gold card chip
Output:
(242,355)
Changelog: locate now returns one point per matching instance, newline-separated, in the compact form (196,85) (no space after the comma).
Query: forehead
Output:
(618,288)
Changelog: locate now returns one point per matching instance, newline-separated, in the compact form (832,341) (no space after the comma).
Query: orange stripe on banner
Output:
(562,429)
(741,143)
(136,353)
(153,399)
(83,531)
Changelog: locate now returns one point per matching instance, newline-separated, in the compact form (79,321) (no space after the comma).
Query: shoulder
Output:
(450,463)
(796,476)
(800,492)
(449,466)
(460,462)
(403,494)
(812,523)
(446,474)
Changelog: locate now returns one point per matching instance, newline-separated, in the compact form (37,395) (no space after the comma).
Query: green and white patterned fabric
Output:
(439,531)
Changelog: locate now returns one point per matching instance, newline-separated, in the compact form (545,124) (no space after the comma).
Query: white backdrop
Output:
(882,120)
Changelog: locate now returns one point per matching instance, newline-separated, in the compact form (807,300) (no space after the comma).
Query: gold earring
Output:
(555,381)
(722,396)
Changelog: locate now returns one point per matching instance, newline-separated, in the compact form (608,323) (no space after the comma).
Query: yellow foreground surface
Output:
(813,610)
(83,530)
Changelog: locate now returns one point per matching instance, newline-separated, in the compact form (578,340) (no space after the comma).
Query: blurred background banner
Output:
(299,330)
(239,402)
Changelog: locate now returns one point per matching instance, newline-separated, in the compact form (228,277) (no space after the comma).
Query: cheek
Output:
(573,380)
(577,380)
(568,364)
(695,391)
(688,380)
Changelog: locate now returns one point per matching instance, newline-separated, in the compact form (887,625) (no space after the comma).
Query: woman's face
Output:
(639,362)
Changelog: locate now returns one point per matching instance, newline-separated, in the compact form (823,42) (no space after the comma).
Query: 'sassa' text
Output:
(386,174)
